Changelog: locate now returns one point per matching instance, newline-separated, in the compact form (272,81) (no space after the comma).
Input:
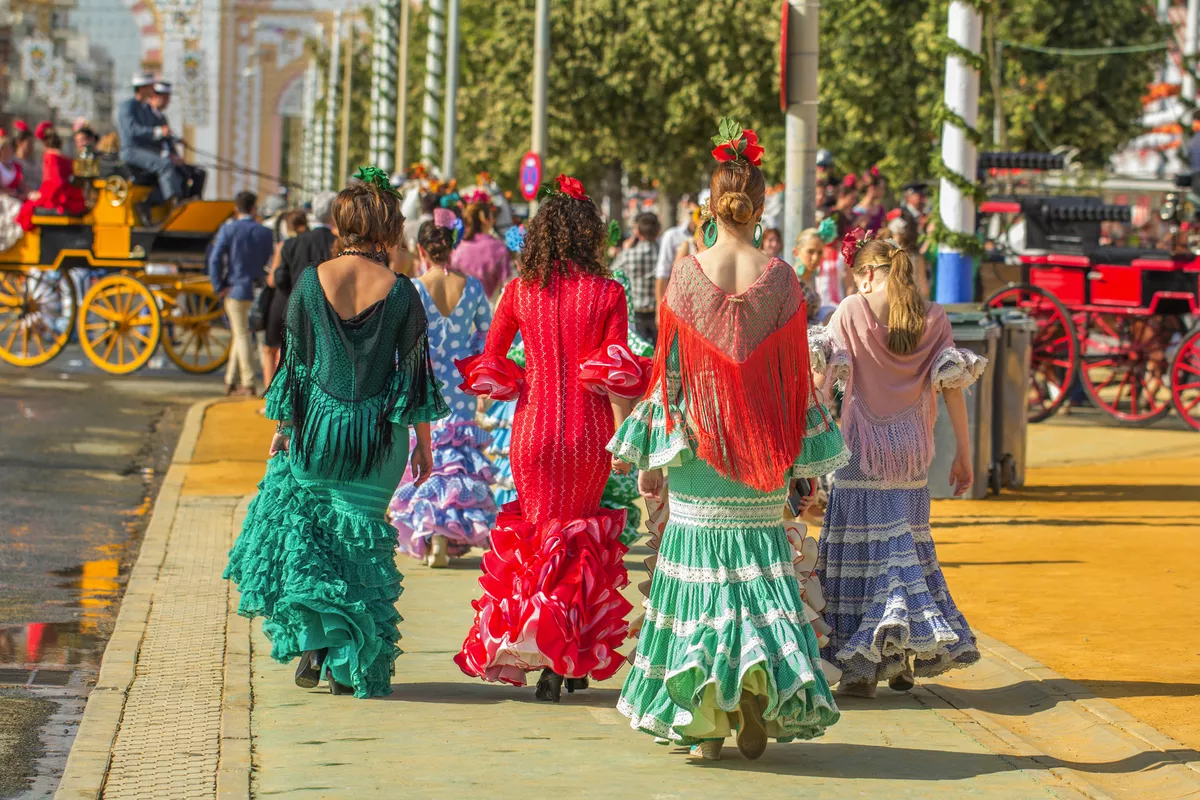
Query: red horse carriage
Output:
(1119,321)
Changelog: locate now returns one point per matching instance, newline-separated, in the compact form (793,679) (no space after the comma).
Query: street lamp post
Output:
(402,89)
(331,92)
(955,270)
(541,67)
(449,99)
(347,85)
(799,201)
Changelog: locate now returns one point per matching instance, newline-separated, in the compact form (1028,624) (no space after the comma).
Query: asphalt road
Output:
(81,457)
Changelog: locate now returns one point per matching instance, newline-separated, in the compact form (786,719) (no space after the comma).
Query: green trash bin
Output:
(1010,391)
(974,330)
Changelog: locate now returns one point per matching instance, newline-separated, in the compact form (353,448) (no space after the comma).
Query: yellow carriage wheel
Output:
(196,333)
(37,310)
(119,324)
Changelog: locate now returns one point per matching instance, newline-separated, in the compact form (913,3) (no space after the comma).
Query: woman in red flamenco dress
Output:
(551,581)
(57,191)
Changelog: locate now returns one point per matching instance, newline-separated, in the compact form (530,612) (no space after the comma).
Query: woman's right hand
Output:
(962,473)
(650,484)
(421,463)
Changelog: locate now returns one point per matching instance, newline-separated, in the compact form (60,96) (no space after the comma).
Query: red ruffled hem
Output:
(551,598)
(612,367)
(490,376)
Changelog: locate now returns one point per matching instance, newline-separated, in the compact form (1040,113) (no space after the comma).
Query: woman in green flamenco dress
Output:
(726,643)
(316,554)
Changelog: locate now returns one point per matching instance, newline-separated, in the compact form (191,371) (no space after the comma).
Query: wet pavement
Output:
(81,457)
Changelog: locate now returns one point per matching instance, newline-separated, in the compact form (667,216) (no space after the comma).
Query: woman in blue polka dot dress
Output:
(454,510)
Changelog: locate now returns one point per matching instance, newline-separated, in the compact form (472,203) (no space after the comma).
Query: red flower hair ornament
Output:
(42,129)
(852,241)
(20,126)
(565,185)
(733,142)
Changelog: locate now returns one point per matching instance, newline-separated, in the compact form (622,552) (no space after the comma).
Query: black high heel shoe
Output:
(549,686)
(308,671)
(576,684)
(335,687)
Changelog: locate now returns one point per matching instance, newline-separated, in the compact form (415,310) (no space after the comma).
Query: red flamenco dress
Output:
(551,581)
(56,192)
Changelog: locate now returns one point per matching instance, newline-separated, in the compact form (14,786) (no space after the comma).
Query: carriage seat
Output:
(113,167)
(1125,255)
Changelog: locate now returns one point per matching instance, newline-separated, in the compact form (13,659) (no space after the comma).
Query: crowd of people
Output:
(566,372)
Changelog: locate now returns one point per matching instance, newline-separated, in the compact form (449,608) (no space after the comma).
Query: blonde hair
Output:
(809,233)
(906,309)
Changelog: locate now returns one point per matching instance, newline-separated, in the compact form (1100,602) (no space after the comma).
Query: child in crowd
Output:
(888,604)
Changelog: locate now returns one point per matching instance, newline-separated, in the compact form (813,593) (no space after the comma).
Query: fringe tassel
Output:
(895,448)
(750,417)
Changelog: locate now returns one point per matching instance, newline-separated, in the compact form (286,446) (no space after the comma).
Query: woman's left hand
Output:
(620,467)
(280,443)
(421,463)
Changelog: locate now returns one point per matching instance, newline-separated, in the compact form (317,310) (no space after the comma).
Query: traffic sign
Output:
(531,175)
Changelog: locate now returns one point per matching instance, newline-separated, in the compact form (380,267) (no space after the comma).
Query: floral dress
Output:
(551,580)
(456,501)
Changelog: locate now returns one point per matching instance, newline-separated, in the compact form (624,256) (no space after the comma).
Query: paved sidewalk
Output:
(188,701)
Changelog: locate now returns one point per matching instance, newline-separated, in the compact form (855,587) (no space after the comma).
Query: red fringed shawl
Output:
(745,370)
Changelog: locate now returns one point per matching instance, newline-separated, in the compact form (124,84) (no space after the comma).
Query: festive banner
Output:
(180,18)
(193,91)
(37,55)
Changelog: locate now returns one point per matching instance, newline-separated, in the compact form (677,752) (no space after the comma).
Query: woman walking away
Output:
(295,223)
(480,254)
(454,510)
(726,641)
(891,612)
(316,556)
(551,581)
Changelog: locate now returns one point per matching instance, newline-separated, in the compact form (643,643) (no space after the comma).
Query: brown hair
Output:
(647,226)
(51,140)
(367,216)
(436,241)
(475,218)
(738,192)
(906,309)
(296,221)
(564,232)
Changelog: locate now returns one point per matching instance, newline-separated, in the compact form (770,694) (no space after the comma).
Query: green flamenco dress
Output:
(316,555)
(725,613)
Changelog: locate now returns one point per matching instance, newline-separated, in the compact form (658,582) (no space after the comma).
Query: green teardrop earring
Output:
(758,232)
(710,233)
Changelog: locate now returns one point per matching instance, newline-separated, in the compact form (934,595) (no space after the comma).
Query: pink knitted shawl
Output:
(890,406)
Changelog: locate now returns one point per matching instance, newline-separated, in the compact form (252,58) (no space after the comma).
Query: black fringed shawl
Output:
(373,370)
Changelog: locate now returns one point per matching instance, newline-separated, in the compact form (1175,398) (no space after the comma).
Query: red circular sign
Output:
(531,175)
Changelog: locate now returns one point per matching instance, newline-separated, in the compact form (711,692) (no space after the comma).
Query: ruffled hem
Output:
(551,598)
(643,439)
(824,449)
(491,376)
(956,368)
(613,367)
(321,578)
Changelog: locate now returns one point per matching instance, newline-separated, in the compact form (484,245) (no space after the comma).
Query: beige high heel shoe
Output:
(752,732)
(709,750)
(439,552)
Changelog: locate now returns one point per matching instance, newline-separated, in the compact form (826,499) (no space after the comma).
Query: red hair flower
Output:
(894,214)
(42,129)
(20,126)
(851,242)
(572,187)
(733,142)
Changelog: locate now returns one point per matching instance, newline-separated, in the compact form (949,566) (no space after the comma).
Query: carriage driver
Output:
(193,176)
(142,139)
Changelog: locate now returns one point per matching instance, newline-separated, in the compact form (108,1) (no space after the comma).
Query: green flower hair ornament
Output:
(451,200)
(374,176)
(614,233)
(827,230)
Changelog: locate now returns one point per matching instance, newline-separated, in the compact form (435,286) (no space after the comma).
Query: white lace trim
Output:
(816,469)
(711,512)
(774,571)
(688,627)
(880,484)
(751,647)
(773,500)
(956,368)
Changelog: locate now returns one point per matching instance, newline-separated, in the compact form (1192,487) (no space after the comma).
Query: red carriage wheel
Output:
(1055,360)
(1124,365)
(1185,379)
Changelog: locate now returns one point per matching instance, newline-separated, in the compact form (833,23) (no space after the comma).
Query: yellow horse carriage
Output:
(123,288)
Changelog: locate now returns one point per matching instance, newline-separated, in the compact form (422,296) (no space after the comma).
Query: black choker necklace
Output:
(374,255)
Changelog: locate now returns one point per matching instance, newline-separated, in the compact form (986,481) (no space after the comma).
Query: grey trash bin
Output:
(974,330)
(1010,390)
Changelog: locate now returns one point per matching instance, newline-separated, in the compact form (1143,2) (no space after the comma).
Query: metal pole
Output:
(383,84)
(308,133)
(803,46)
(1190,32)
(449,106)
(347,79)
(331,91)
(956,270)
(999,134)
(402,90)
(433,74)
(541,68)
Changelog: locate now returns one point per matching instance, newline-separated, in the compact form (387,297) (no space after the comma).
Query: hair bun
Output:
(735,206)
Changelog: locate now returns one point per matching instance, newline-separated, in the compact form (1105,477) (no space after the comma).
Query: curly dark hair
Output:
(564,230)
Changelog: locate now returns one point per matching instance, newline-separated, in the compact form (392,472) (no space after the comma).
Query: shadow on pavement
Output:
(1030,697)
(1164,493)
(490,693)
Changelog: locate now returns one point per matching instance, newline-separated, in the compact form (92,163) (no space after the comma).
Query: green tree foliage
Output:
(360,90)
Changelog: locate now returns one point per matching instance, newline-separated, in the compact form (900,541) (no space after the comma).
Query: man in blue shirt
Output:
(236,265)
(143,134)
